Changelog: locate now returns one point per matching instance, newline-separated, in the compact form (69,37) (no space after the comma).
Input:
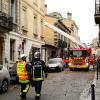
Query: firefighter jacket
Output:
(23,72)
(39,70)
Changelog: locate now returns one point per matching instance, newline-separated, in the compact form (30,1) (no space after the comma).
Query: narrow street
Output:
(65,85)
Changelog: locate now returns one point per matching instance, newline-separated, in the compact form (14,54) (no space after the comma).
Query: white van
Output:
(55,64)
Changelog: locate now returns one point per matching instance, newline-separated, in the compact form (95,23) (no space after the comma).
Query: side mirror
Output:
(1,66)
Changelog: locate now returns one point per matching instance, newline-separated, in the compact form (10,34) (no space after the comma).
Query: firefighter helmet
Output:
(23,56)
(37,54)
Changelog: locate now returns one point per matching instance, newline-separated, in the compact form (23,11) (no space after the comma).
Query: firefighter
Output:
(39,73)
(24,74)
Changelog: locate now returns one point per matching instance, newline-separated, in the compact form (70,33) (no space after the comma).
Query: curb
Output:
(86,94)
(94,82)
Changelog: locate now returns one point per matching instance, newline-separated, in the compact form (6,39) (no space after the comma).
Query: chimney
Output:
(69,16)
(45,9)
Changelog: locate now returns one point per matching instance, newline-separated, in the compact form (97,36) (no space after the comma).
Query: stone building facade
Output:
(55,42)
(71,24)
(59,42)
(26,33)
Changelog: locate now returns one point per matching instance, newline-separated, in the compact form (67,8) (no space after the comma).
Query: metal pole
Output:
(99,35)
(92,92)
(45,53)
(97,71)
(98,47)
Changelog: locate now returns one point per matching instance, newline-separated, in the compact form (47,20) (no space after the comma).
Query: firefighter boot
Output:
(23,96)
(37,97)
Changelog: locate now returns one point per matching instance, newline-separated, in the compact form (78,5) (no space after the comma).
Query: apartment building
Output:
(55,42)
(32,15)
(8,22)
(22,31)
(71,24)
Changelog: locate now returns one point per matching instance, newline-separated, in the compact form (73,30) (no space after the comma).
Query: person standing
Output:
(40,72)
(24,75)
(98,62)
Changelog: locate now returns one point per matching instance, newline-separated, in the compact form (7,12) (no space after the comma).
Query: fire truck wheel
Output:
(71,69)
(87,69)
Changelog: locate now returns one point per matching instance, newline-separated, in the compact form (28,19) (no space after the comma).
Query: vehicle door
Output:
(1,73)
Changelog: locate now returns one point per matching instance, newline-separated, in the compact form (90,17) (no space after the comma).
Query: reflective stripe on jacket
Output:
(38,73)
(22,73)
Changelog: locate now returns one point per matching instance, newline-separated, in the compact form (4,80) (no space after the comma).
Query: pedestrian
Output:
(98,62)
(39,73)
(24,75)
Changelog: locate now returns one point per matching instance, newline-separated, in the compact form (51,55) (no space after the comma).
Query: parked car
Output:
(55,64)
(4,78)
(13,73)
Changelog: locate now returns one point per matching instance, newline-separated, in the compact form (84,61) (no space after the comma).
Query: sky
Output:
(82,13)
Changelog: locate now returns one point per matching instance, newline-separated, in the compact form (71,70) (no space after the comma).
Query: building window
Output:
(4,6)
(58,36)
(41,26)
(35,25)
(12,49)
(24,17)
(41,29)
(55,34)
(13,9)
(42,4)
(0,5)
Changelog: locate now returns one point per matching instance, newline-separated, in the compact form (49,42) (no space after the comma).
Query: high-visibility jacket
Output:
(22,73)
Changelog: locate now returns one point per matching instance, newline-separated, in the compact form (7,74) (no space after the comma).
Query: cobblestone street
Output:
(66,85)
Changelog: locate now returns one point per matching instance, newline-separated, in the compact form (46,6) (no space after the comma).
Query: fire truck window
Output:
(77,53)
(84,53)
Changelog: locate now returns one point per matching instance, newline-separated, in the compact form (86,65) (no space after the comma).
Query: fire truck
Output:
(79,58)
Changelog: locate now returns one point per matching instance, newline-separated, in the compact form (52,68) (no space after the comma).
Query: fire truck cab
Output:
(79,58)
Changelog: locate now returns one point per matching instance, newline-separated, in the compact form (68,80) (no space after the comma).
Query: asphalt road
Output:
(65,85)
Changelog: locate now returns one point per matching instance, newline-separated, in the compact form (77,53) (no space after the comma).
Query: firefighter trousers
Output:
(38,87)
(24,89)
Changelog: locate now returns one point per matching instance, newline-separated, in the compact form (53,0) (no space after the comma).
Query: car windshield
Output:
(52,61)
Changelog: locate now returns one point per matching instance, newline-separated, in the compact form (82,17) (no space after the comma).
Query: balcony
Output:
(6,22)
(97,12)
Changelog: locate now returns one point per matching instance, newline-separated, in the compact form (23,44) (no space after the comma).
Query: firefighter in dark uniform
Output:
(24,75)
(40,71)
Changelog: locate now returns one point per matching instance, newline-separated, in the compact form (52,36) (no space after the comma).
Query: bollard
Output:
(92,92)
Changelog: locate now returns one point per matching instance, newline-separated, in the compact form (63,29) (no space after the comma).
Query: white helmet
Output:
(37,54)
(23,55)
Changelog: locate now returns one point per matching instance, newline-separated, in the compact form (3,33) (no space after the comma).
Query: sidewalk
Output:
(97,87)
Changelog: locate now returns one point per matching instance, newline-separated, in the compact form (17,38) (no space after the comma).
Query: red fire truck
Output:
(79,58)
